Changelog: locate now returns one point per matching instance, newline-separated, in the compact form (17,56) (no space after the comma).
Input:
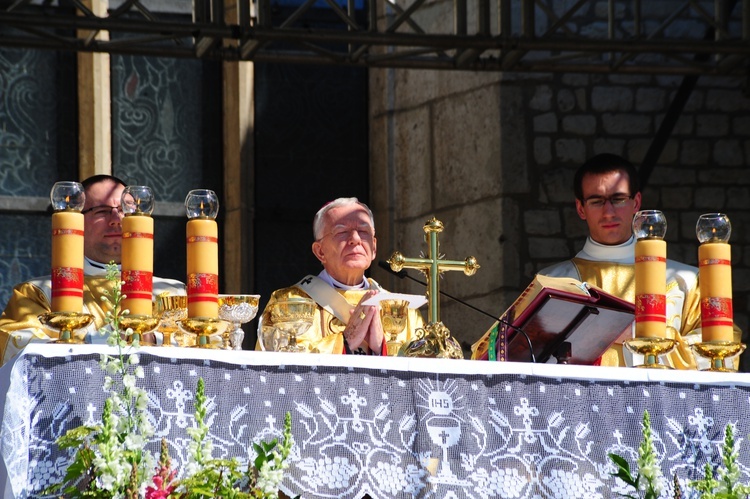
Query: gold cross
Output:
(432,266)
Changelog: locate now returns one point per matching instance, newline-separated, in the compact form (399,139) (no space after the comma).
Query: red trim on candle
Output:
(135,281)
(715,307)
(714,261)
(651,318)
(202,284)
(67,277)
(57,293)
(651,305)
(137,235)
(647,258)
(202,239)
(67,232)
(201,298)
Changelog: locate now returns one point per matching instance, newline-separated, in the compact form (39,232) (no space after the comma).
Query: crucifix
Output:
(436,340)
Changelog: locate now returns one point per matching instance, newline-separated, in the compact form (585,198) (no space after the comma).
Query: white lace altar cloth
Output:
(390,428)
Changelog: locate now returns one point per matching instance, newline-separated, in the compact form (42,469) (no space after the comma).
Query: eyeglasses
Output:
(341,234)
(598,202)
(103,211)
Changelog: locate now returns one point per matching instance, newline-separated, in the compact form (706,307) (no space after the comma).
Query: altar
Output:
(388,427)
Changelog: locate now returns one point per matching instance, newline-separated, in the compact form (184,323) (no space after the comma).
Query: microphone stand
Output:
(402,274)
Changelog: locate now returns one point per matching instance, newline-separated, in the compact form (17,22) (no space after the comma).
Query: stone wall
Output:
(493,156)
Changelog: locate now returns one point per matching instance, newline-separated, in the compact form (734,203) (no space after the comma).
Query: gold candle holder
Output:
(651,348)
(203,328)
(140,325)
(65,324)
(718,352)
(434,341)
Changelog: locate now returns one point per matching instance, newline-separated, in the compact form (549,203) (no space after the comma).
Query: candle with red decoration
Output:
(67,200)
(715,277)
(650,227)
(137,249)
(202,206)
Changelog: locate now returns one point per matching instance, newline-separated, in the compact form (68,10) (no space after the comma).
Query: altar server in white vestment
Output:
(345,244)
(103,215)
(608,195)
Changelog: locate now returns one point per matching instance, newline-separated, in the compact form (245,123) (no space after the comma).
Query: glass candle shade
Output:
(67,200)
(650,227)
(202,207)
(715,277)
(137,249)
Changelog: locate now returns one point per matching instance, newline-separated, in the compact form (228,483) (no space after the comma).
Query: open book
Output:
(563,318)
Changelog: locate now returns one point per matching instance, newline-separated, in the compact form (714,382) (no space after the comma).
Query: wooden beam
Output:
(94,103)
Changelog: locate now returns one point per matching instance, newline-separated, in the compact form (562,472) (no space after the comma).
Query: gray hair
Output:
(318,221)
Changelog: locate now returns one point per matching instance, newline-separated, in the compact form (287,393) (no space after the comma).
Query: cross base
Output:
(434,342)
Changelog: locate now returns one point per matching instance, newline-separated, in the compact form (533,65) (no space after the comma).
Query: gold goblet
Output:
(294,317)
(237,309)
(65,324)
(394,315)
(172,308)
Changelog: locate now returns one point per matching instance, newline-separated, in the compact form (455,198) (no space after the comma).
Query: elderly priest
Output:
(345,244)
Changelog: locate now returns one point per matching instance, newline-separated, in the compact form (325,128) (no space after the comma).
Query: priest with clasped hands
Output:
(102,243)
(345,244)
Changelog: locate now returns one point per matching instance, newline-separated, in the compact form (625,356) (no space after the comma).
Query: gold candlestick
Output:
(650,227)
(203,328)
(139,325)
(435,339)
(715,278)
(65,324)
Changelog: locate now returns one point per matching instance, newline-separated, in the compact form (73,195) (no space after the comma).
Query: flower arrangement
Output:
(720,483)
(111,461)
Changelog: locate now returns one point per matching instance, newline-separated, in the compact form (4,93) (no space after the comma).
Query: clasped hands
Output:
(364,326)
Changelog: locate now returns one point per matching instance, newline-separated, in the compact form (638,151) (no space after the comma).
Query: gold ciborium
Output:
(140,325)
(65,324)
(237,309)
(203,328)
(172,308)
(293,317)
(394,316)
(718,352)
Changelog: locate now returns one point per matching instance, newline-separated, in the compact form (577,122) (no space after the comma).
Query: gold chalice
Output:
(65,324)
(237,309)
(172,308)
(394,315)
(294,317)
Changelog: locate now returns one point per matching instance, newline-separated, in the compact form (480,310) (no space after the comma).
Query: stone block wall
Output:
(492,155)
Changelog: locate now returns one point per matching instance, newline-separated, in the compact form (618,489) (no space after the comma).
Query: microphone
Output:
(402,274)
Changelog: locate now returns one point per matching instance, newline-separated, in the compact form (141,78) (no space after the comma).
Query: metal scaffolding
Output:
(690,37)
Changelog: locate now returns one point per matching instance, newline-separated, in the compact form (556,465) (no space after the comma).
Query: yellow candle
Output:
(715,277)
(650,288)
(203,268)
(138,263)
(67,261)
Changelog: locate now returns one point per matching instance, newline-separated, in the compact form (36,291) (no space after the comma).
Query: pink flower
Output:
(163,481)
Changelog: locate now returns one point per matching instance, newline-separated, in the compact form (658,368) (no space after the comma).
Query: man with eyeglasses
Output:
(608,195)
(345,244)
(102,224)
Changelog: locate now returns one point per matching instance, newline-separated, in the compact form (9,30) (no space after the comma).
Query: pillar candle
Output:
(67,261)
(138,263)
(650,288)
(715,277)
(203,268)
